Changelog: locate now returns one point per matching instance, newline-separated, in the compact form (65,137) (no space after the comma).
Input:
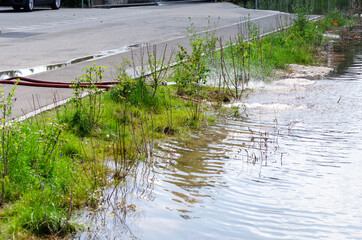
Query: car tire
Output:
(29,5)
(56,4)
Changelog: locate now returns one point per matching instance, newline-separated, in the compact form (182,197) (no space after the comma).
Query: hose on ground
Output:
(24,81)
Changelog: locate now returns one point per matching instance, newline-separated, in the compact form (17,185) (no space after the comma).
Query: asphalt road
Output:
(44,37)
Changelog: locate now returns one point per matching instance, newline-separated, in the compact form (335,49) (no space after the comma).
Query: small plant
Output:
(88,110)
(127,84)
(336,18)
(253,31)
(9,145)
(239,111)
(210,42)
(235,65)
(301,22)
(158,67)
(192,72)
(235,110)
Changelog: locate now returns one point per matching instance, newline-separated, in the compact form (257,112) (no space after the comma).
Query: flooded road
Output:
(290,169)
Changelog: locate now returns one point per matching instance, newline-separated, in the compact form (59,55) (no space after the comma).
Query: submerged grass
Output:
(60,161)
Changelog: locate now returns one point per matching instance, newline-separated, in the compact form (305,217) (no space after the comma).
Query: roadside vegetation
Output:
(60,161)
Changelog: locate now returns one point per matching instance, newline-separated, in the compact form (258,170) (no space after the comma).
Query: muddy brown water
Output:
(291,169)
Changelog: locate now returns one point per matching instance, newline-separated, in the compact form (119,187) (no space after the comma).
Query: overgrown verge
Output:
(60,161)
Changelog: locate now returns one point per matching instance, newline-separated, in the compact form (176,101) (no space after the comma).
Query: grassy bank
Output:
(61,160)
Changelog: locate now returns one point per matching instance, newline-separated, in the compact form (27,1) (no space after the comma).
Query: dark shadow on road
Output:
(11,10)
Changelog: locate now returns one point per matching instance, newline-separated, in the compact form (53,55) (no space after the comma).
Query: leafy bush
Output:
(133,91)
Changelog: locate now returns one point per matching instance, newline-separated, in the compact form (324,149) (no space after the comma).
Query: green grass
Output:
(52,173)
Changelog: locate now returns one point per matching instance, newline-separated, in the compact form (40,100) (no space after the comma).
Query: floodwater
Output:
(290,169)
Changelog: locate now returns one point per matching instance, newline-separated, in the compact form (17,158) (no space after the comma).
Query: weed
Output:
(87,111)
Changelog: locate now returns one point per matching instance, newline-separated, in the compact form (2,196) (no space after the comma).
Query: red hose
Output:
(39,83)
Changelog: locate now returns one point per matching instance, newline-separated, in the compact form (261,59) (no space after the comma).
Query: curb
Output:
(155,3)
(125,5)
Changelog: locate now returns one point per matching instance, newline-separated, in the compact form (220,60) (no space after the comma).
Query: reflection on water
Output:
(286,172)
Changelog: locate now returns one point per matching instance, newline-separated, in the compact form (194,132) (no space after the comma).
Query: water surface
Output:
(290,169)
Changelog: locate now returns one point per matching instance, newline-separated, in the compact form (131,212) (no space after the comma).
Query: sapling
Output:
(192,72)
(158,66)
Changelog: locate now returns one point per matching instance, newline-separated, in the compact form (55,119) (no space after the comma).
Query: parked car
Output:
(28,5)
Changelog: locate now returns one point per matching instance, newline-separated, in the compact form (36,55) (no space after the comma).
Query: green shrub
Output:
(192,72)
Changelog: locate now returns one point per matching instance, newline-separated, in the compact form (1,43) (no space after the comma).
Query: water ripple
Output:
(290,170)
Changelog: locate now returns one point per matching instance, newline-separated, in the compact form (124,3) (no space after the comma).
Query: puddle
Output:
(18,35)
(44,68)
(331,36)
